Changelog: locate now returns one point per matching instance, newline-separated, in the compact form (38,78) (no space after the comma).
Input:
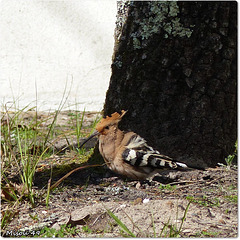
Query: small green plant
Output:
(167,187)
(86,229)
(232,198)
(95,122)
(7,215)
(18,141)
(168,229)
(204,201)
(229,158)
(34,217)
(227,211)
(206,233)
(64,231)
(232,187)
(77,124)
(127,232)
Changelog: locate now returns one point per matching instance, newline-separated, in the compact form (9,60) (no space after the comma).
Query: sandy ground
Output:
(147,208)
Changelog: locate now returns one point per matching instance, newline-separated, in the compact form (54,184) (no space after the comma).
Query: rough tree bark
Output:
(174,70)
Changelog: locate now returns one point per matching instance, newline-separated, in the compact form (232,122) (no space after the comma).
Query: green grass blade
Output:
(120,223)
(184,217)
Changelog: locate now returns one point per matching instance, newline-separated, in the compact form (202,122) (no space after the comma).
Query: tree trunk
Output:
(174,70)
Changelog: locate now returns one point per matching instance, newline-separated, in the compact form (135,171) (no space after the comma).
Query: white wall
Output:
(49,45)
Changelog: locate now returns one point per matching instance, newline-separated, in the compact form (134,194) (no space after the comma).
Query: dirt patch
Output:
(212,212)
(147,208)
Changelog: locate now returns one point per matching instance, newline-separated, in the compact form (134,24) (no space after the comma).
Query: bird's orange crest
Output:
(115,118)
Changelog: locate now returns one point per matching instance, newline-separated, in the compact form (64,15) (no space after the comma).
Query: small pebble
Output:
(146,200)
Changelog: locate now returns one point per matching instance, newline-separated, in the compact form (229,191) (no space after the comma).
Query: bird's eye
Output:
(107,127)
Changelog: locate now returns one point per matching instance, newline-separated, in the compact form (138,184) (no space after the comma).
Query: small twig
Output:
(183,182)
(214,180)
(101,214)
(74,170)
(194,182)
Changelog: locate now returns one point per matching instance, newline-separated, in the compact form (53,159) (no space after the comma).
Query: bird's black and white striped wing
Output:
(138,153)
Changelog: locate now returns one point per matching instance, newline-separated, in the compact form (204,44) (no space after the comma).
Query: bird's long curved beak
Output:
(96,133)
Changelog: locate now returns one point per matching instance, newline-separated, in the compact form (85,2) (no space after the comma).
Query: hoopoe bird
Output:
(128,154)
